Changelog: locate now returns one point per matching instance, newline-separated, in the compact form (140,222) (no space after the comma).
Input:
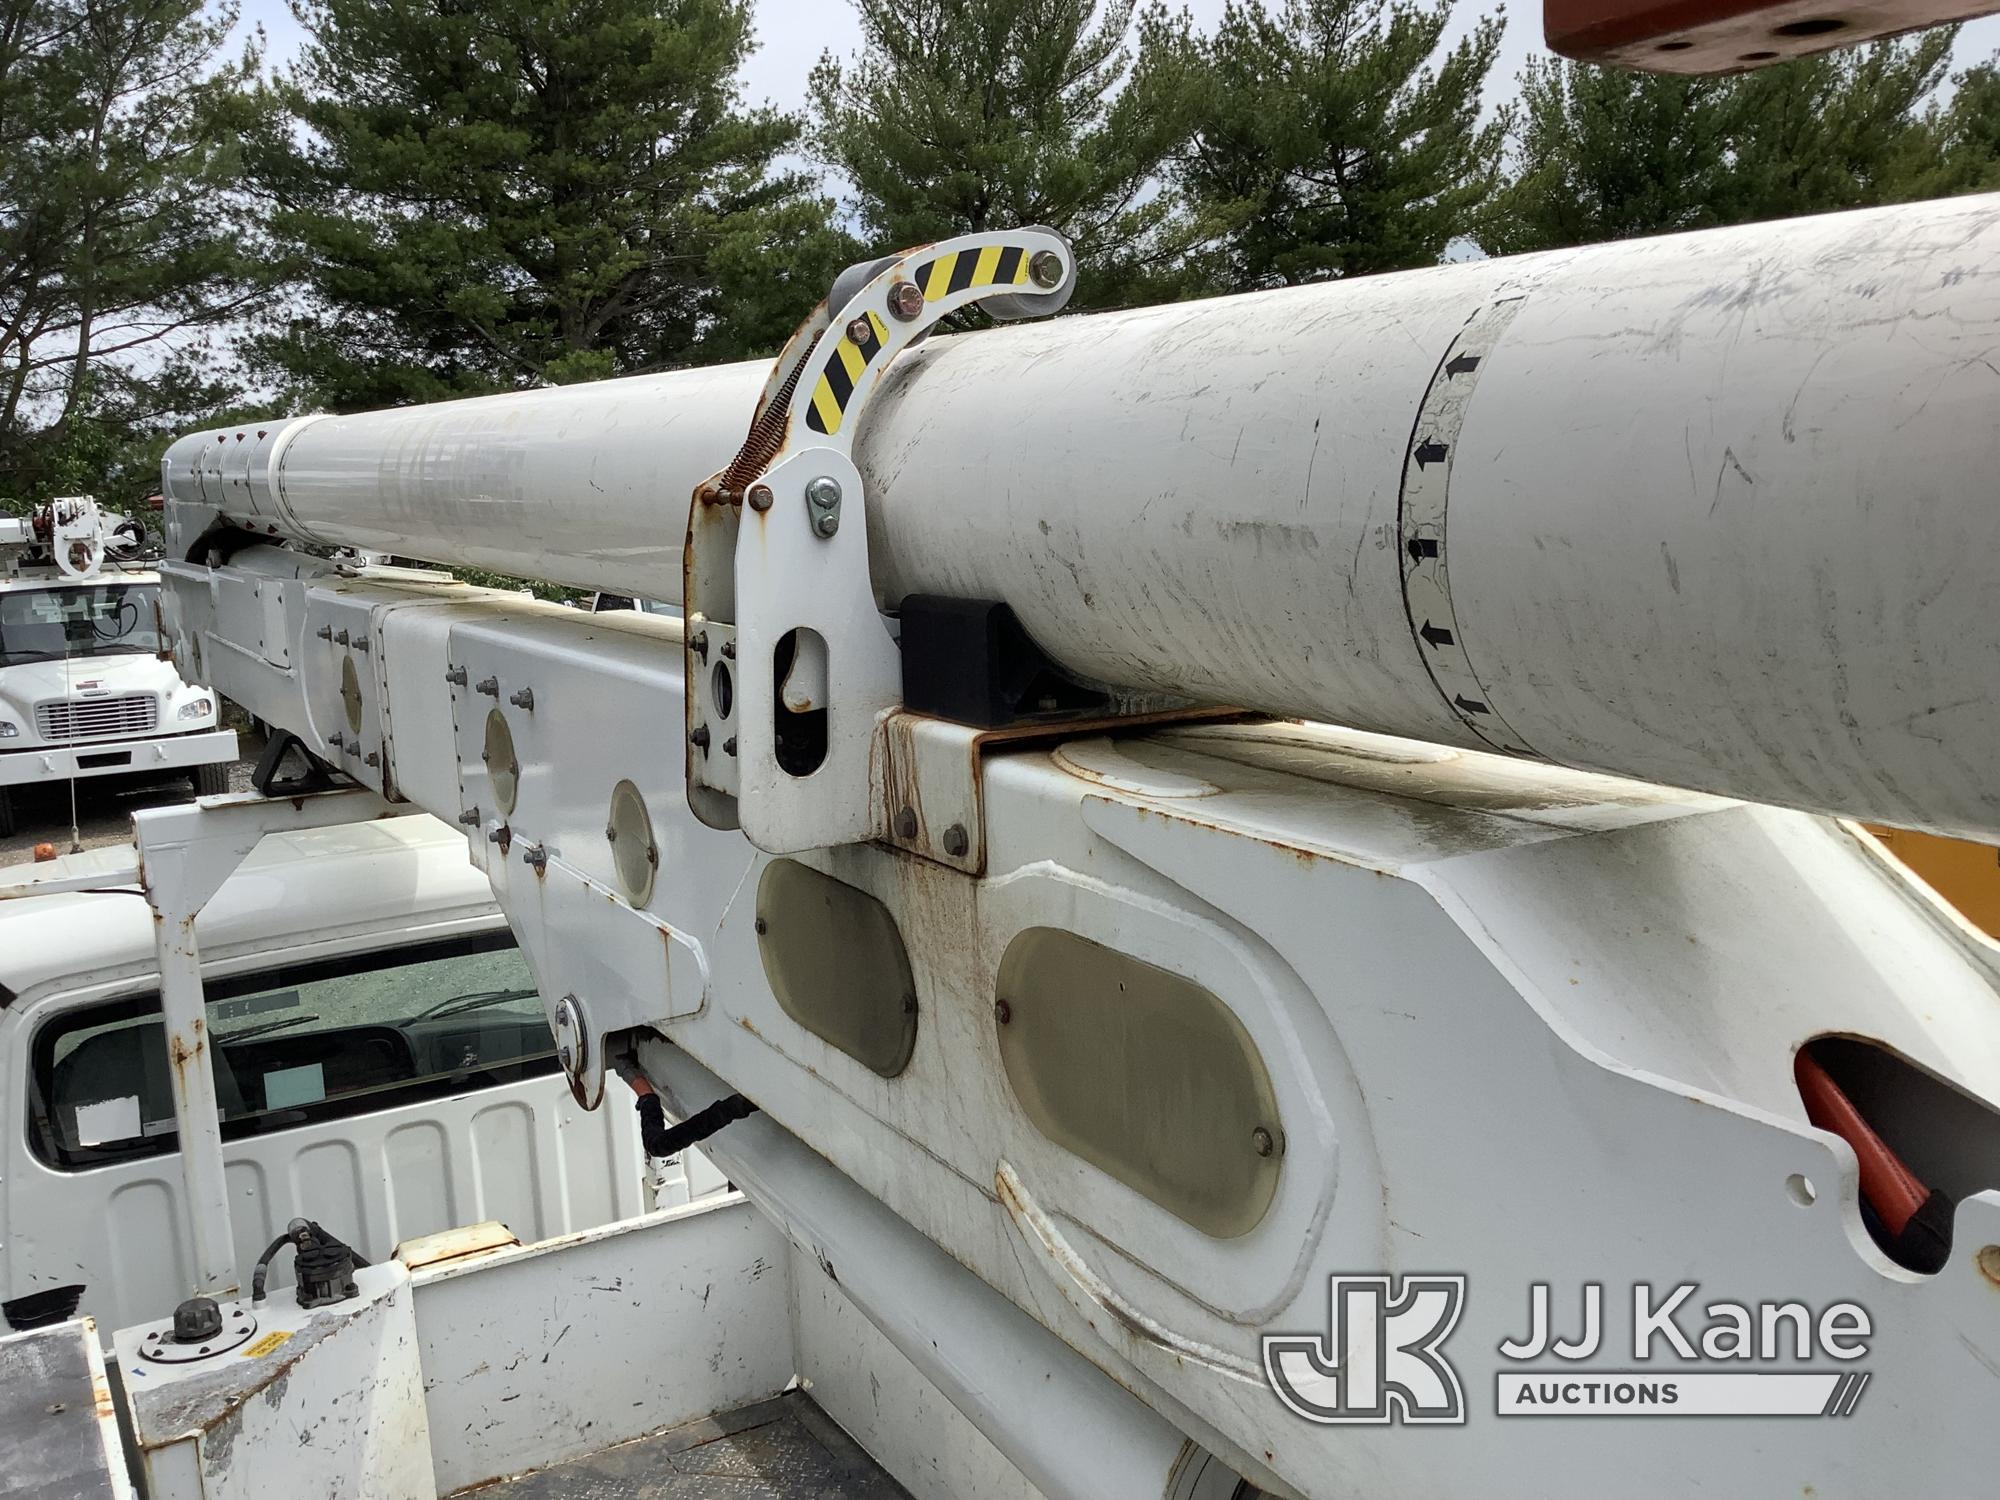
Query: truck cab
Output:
(85,689)
(380,1056)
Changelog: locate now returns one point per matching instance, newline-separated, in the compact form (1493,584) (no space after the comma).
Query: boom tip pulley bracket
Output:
(791,667)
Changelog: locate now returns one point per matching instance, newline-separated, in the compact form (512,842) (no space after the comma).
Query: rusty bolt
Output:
(906,823)
(535,855)
(906,300)
(523,699)
(860,330)
(1262,1141)
(455,676)
(729,651)
(499,833)
(1002,1012)
(1047,268)
(490,686)
(761,497)
(699,739)
(373,758)
(762,927)
(955,841)
(1989,1263)
(698,644)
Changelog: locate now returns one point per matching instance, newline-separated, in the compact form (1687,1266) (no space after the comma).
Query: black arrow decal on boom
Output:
(1430,451)
(1462,364)
(1436,637)
(1422,547)
(1471,705)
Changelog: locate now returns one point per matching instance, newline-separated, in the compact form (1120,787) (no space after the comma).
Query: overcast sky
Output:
(793,33)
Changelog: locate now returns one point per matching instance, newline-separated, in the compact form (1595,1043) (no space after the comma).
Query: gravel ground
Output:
(105,804)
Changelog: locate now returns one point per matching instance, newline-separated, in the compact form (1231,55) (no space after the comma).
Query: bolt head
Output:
(906,300)
(826,525)
(760,497)
(956,841)
(824,490)
(906,823)
(860,330)
(1002,1012)
(1046,267)
(1262,1141)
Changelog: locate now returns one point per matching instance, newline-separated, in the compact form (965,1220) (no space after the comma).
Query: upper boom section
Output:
(1713,510)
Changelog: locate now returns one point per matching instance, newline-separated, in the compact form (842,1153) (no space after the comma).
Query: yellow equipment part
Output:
(1964,873)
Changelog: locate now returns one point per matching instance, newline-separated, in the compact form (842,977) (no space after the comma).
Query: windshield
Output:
(93,619)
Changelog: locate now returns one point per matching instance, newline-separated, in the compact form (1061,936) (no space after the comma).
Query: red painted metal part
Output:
(1731,36)
(1892,1189)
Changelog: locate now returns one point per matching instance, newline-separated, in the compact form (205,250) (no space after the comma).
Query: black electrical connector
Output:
(325,1265)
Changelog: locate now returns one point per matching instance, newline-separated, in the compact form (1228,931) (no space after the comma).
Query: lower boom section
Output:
(1308,1085)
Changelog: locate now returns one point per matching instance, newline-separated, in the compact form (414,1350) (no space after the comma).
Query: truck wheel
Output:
(211,780)
(6,812)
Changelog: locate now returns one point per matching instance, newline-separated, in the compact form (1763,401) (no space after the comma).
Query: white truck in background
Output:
(381,1057)
(85,689)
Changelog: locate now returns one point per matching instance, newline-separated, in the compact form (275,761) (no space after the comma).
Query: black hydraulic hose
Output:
(258,1276)
(662,1139)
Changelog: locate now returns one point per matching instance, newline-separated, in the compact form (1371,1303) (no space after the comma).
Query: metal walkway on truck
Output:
(782,1449)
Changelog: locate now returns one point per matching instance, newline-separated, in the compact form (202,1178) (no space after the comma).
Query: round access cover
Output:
(633,848)
(503,767)
(234,1326)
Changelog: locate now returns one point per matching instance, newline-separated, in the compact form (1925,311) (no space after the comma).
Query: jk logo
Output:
(1379,1360)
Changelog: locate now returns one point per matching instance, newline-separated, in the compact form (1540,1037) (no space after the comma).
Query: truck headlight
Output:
(8,729)
(196,708)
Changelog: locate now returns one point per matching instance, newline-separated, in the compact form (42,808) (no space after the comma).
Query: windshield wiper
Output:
(244,1034)
(458,1004)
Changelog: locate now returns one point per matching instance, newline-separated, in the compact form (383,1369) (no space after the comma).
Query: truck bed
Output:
(782,1449)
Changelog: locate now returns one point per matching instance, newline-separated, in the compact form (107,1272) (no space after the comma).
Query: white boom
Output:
(1187,1041)
(1708,510)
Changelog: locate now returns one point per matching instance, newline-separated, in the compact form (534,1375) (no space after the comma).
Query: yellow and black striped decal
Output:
(842,374)
(996,265)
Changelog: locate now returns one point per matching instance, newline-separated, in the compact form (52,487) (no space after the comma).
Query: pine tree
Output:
(1968,134)
(488,194)
(1607,154)
(958,116)
(1604,154)
(1333,140)
(124,243)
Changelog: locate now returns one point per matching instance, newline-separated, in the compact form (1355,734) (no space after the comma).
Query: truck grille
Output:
(97,718)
